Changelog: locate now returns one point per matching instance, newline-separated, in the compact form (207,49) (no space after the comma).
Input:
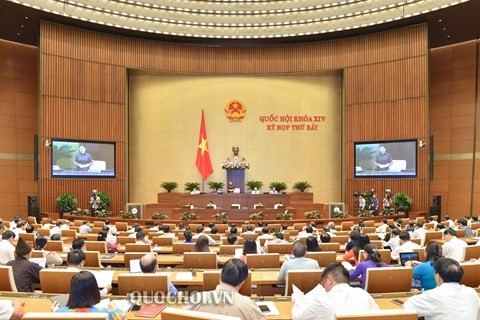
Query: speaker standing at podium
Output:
(94,202)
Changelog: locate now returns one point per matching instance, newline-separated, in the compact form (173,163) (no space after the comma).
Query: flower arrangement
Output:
(189,216)
(235,164)
(220,216)
(314,214)
(338,213)
(257,216)
(129,215)
(284,215)
(80,212)
(159,216)
(103,213)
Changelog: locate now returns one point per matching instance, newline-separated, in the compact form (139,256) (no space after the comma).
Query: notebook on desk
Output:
(408,256)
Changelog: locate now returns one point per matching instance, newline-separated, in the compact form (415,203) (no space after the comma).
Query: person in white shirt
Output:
(134,234)
(419,232)
(255,191)
(85,228)
(12,310)
(111,228)
(278,239)
(259,227)
(331,228)
(21,226)
(405,245)
(76,260)
(450,299)
(155,226)
(57,229)
(305,233)
(453,247)
(337,296)
(7,249)
(449,222)
(200,233)
(249,230)
(48,224)
(382,228)
(265,234)
(394,240)
(13,223)
(65,226)
(435,222)
(141,238)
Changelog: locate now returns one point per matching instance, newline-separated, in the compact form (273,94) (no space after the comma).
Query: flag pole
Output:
(203,185)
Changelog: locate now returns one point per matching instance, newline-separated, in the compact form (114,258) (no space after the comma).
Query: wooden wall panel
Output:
(385,89)
(452,122)
(18,125)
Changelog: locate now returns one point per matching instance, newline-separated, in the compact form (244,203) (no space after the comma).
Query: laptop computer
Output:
(407,256)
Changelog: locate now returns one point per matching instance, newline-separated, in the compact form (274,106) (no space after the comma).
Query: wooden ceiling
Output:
(455,24)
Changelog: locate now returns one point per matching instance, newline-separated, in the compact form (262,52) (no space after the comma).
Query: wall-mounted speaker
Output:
(437,201)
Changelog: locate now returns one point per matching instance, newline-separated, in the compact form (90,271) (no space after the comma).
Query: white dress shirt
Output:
(454,249)
(419,233)
(381,229)
(55,230)
(316,304)
(394,242)
(7,251)
(406,247)
(446,302)
(348,299)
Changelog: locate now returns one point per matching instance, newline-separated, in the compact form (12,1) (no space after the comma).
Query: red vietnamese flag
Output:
(204,164)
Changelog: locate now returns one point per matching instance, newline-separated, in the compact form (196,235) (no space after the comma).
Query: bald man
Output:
(149,264)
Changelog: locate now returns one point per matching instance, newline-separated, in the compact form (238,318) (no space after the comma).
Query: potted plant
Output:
(387,212)
(220,216)
(190,186)
(314,215)
(189,216)
(215,186)
(284,215)
(252,184)
(279,186)
(159,216)
(129,214)
(103,213)
(402,202)
(302,185)
(366,213)
(66,202)
(338,213)
(169,185)
(104,204)
(257,216)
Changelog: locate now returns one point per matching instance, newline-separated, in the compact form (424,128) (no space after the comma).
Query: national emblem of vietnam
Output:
(235,110)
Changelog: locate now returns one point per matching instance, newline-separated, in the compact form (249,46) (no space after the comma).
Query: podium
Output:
(237,176)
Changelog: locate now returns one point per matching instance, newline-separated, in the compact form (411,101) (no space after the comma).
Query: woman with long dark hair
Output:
(249,247)
(362,241)
(425,271)
(84,295)
(312,244)
(52,259)
(372,260)
(201,245)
